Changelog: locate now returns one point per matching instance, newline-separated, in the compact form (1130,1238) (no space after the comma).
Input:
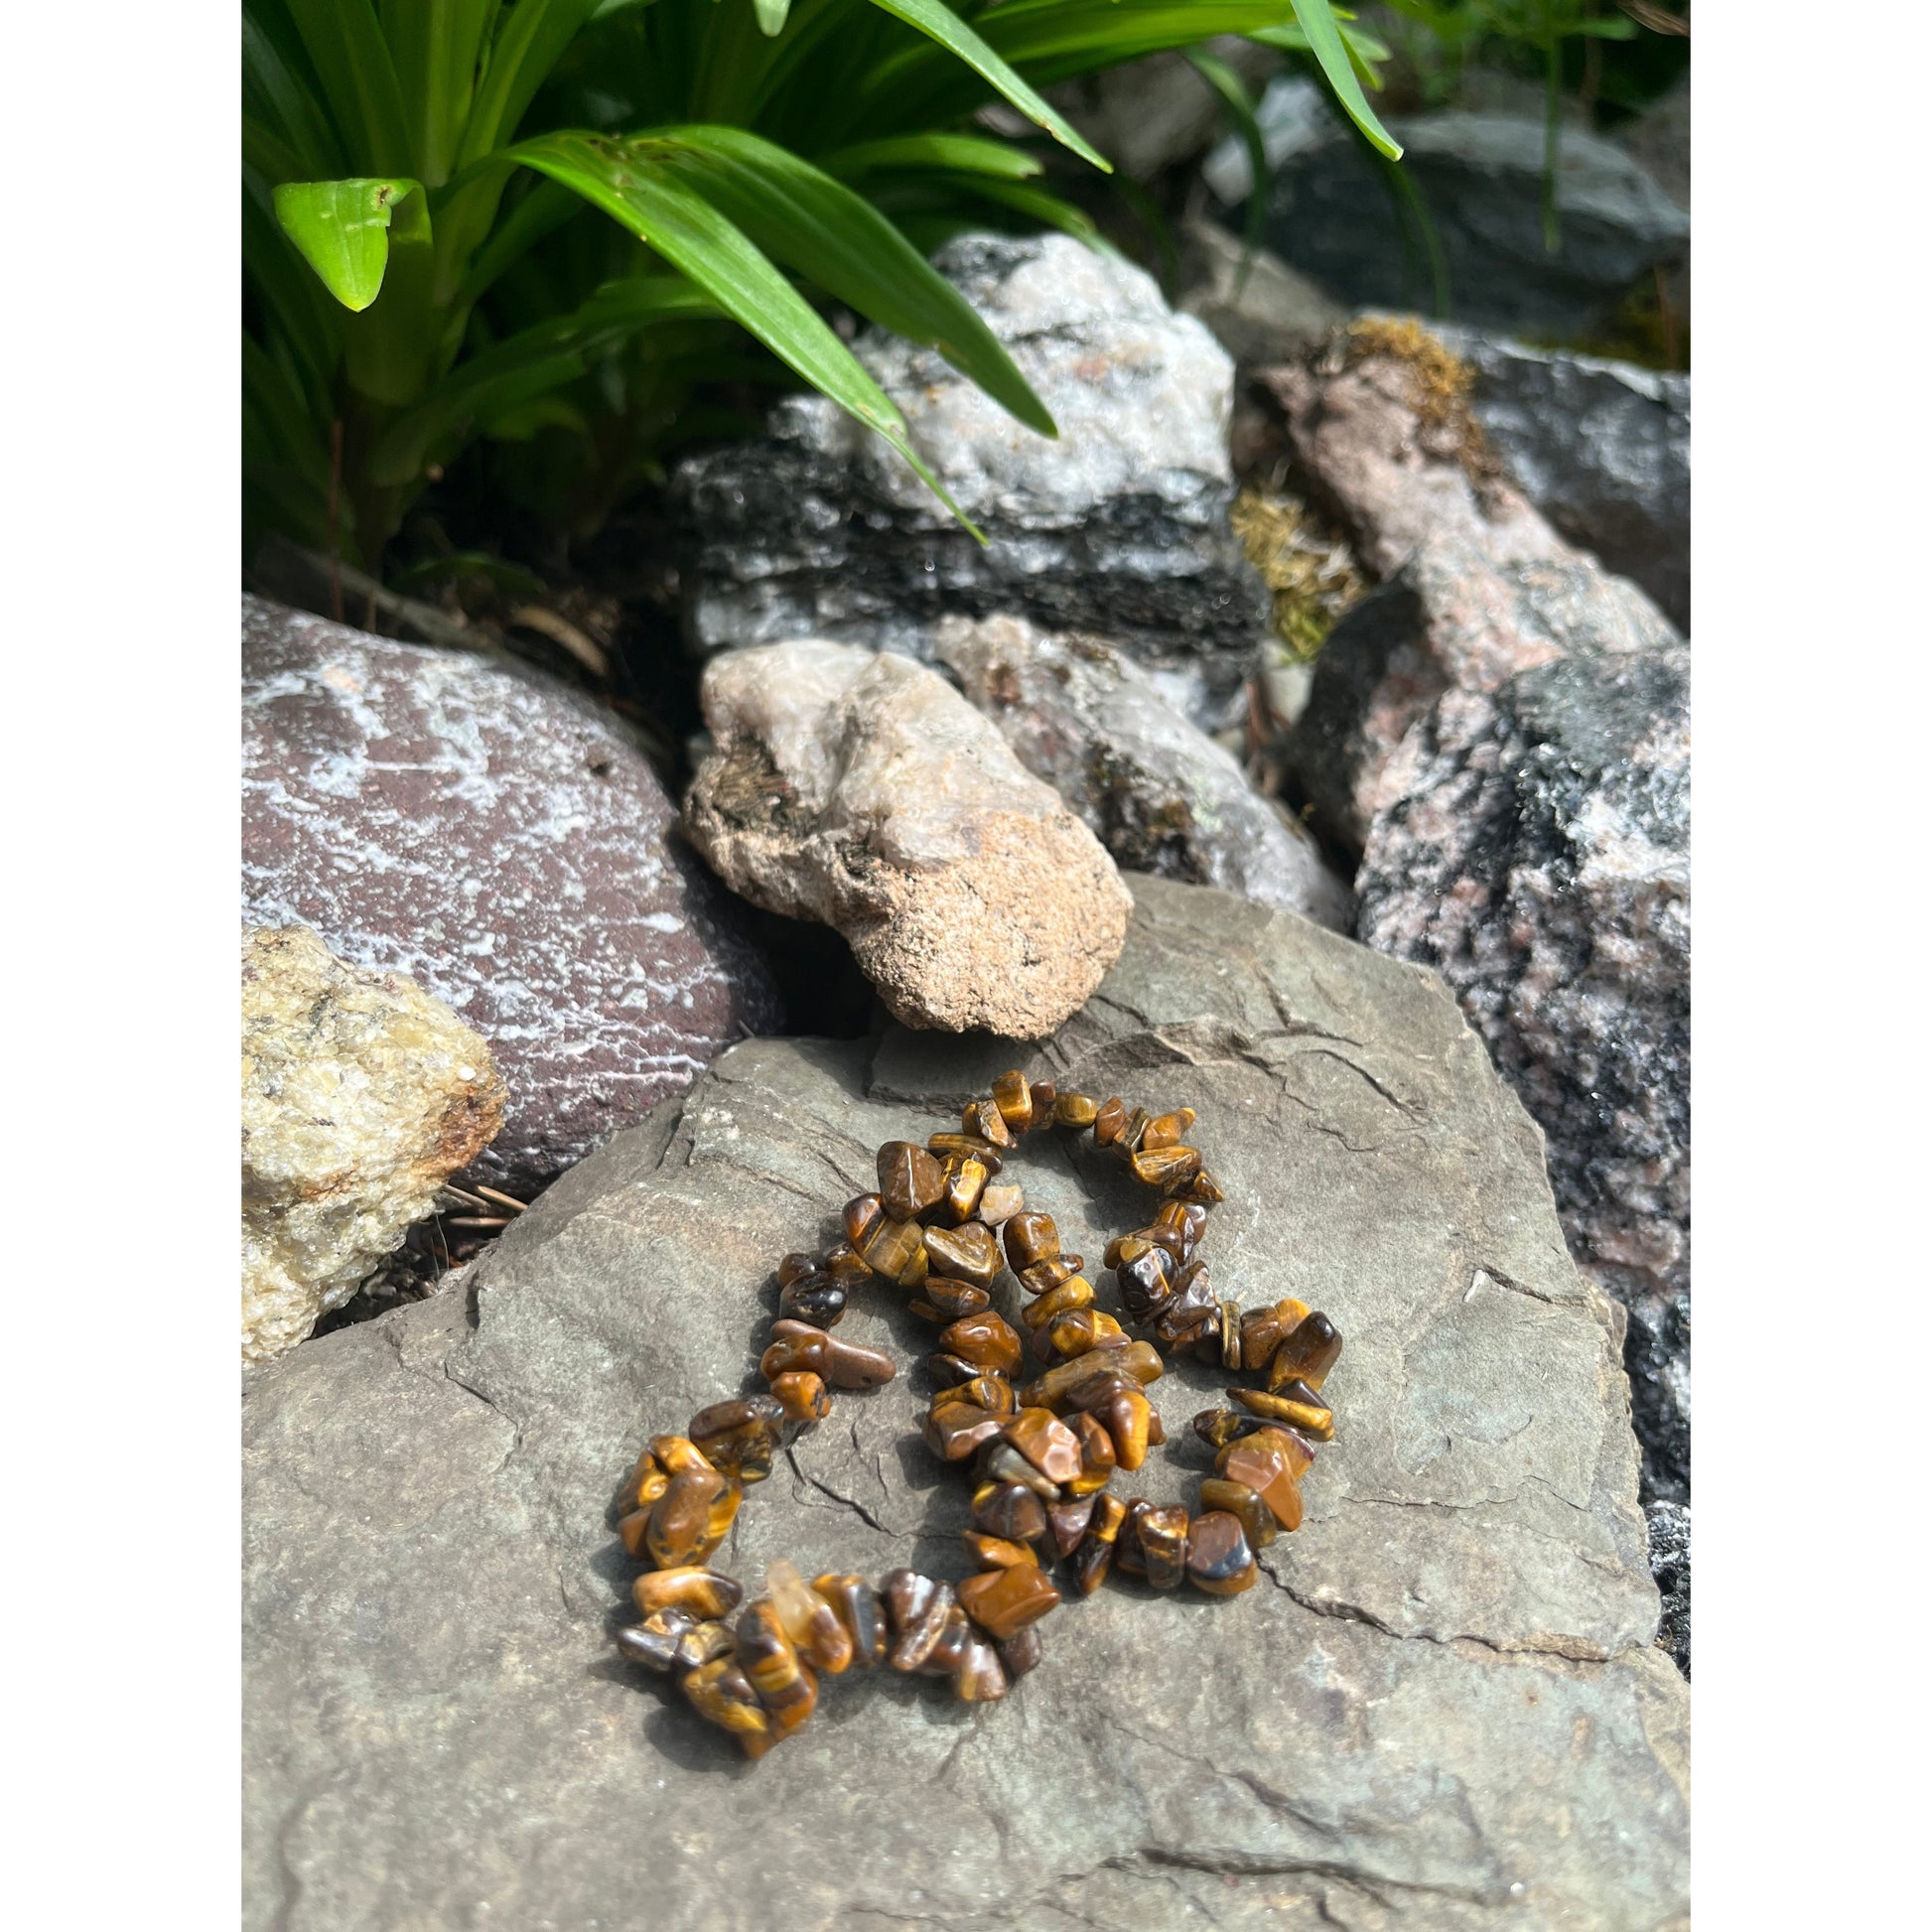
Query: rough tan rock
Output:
(360,1095)
(865,793)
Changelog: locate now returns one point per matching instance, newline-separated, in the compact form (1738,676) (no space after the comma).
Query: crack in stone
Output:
(845,1502)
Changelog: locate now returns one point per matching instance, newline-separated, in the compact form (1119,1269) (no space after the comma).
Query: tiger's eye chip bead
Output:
(1041,1457)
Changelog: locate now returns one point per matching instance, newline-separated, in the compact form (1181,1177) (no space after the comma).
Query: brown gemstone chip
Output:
(1047,1442)
(1262,1330)
(1020,1652)
(1000,1461)
(1180,1226)
(1217,1428)
(1076,1333)
(947,1369)
(690,1519)
(863,1213)
(1267,1469)
(1127,1414)
(846,1266)
(966,1254)
(1191,1303)
(643,1485)
(1010,1511)
(1110,1121)
(846,1364)
(1164,1545)
(691,1588)
(654,1644)
(1014,1100)
(971,1147)
(1166,1166)
(1045,1094)
(785,1683)
(1073,1292)
(1257,1520)
(955,1432)
(951,1647)
(721,1691)
(817,1299)
(1167,1130)
(980,1677)
(910,1181)
(1095,1555)
(992,1392)
(802,1396)
(739,1436)
(983,1117)
(810,1620)
(1074,1110)
(1066,1523)
(1039,1276)
(966,1180)
(986,1340)
(1029,1236)
(1002,1601)
(701,1643)
(676,1454)
(1307,1354)
(1127,1545)
(1097,1458)
(1199,1185)
(856,1604)
(1139,1361)
(1296,1404)
(1144,1273)
(948,1301)
(796,1267)
(811,1349)
(1219,1559)
(995,1552)
(897,1250)
(918,1607)
(998,1206)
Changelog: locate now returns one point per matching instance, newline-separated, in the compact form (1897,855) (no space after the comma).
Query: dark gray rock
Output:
(1443,1707)
(1161,795)
(1152,114)
(1333,216)
(1257,309)
(485,831)
(1601,449)
(1120,526)
(1670,1565)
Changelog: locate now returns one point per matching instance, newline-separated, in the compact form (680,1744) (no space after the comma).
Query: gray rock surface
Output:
(1258,307)
(488,833)
(862,791)
(1480,176)
(1601,449)
(1160,794)
(1150,114)
(1120,526)
(1441,1708)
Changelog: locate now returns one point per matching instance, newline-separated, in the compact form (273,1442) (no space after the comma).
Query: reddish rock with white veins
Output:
(482,829)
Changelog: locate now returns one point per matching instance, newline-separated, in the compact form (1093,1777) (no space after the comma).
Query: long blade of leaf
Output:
(1227,83)
(821,229)
(644,196)
(341,229)
(948,152)
(938,21)
(351,58)
(302,125)
(529,43)
(1325,44)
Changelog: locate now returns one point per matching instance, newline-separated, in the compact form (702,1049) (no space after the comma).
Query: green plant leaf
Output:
(938,21)
(948,152)
(1227,83)
(352,59)
(772,16)
(1317,21)
(645,197)
(818,226)
(528,44)
(341,229)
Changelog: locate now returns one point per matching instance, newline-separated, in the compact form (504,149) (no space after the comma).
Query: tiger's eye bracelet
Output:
(1041,1457)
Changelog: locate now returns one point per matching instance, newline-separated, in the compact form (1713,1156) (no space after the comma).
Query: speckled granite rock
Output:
(1160,794)
(360,1095)
(489,834)
(1120,526)
(1441,1708)
(862,791)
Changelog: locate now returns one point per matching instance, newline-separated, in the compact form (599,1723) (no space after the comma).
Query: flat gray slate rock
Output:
(1440,1709)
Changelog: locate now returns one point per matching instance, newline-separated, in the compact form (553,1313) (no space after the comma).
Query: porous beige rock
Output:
(864,791)
(360,1095)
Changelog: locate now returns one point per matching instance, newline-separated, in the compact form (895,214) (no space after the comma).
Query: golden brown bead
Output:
(1014,1100)
(643,1485)
(897,1250)
(817,1299)
(701,1643)
(1199,1185)
(1268,1468)
(1077,1333)
(943,1300)
(863,1213)
(1000,1461)
(1305,1355)
(1010,1511)
(793,1353)
(741,1436)
(995,1552)
(1029,1236)
(989,1392)
(802,1396)
(1097,1458)
(965,1253)
(1127,1557)
(1220,1559)
(1167,1165)
(676,1454)
(1296,1406)
(966,1180)
(1164,1545)
(810,1620)
(1074,1110)
(1167,1130)
(1178,1226)
(1066,1523)
(983,1118)
(1144,1274)
(919,1608)
(1020,1652)
(684,1526)
(691,1588)
(1140,1361)
(1110,1121)
(796,1267)
(998,1206)
(952,1645)
(857,1606)
(986,1340)
(721,1691)
(1039,1277)
(1191,1306)
(1073,1292)
(1047,1442)
(1230,1334)
(910,1181)
(631,1529)
(1257,1520)
(1045,1094)
(1126,1414)
(1002,1601)
(970,1147)
(782,1680)
(847,1364)
(955,1432)
(654,1643)
(980,1677)
(1262,1330)
(846,1266)
(1095,1555)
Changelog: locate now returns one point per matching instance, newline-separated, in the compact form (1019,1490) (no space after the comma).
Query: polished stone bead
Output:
(632,1528)
(858,1607)
(1145,1275)
(897,1250)
(782,1680)
(1305,1355)
(1097,1458)
(945,1369)
(966,1180)
(817,1299)
(1166,1166)
(1039,1276)
(1069,1336)
(955,1432)
(1257,1520)
(811,1350)
(1073,1292)
(796,1267)
(802,1396)
(998,1206)
(643,1485)
(1002,1601)
(809,1619)
(1074,1109)
(1000,1461)
(655,1645)
(1164,1545)
(721,1691)
(1128,1555)
(1191,1303)
(1110,1121)
(1047,1442)
(1167,1130)
(1230,1334)
(1029,1236)
(943,1300)
(1217,1428)
(987,1341)
(1262,1330)
(676,1454)
(910,1181)
(684,1526)
(1140,1361)
(992,1392)
(919,1607)
(846,1266)
(956,1638)
(1095,1555)
(1045,1095)
(1199,1185)
(1014,1099)
(995,1552)
(1296,1404)
(690,1588)
(980,1677)
(701,1643)
(1010,1511)
(1268,1471)
(1127,1414)
(983,1117)
(1066,1523)
(847,1364)
(1180,1226)
(1219,1559)
(964,1254)
(739,1436)
(1020,1652)
(863,1213)
(971,1147)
